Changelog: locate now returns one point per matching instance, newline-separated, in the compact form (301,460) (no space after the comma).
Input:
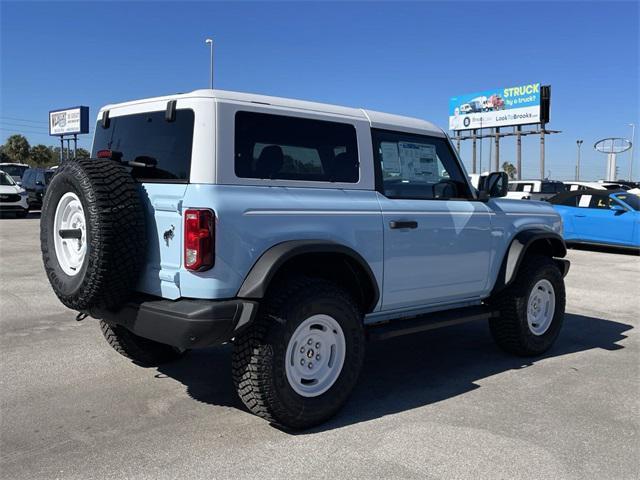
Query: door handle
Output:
(580,216)
(403,224)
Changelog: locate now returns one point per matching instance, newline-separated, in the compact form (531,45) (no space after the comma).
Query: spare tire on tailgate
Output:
(92,234)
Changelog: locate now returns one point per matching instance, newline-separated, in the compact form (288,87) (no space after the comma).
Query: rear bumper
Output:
(185,323)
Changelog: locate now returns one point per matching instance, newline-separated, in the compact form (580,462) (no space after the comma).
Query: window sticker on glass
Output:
(418,161)
(390,158)
(584,201)
(527,188)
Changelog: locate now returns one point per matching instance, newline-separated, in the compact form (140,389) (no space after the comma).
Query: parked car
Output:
(600,217)
(35,182)
(13,198)
(579,185)
(15,170)
(298,230)
(534,189)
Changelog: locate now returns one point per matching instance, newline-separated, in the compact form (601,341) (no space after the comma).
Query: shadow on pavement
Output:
(12,216)
(605,249)
(406,372)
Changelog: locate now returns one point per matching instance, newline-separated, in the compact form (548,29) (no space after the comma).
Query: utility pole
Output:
(209,42)
(633,135)
(542,153)
(579,146)
(473,158)
(496,164)
(519,152)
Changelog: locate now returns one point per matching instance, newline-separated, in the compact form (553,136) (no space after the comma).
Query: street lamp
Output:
(579,145)
(209,42)
(633,134)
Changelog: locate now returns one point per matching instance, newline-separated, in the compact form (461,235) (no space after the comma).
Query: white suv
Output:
(534,189)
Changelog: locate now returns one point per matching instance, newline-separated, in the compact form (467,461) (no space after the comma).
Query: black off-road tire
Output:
(115,234)
(142,351)
(510,329)
(259,353)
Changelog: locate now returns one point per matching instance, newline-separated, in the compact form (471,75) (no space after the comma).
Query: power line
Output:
(24,120)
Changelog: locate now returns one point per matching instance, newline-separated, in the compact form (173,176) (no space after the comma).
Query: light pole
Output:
(633,135)
(209,42)
(579,145)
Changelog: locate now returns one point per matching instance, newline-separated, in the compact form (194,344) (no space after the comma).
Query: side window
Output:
(525,187)
(571,201)
(26,178)
(417,167)
(40,178)
(293,148)
(552,187)
(600,202)
(513,187)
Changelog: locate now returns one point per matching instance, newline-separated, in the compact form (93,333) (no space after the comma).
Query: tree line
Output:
(18,150)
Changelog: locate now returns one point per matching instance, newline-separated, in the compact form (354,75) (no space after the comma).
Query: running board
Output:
(429,321)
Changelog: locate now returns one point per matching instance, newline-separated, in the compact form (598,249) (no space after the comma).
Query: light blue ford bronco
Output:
(297,231)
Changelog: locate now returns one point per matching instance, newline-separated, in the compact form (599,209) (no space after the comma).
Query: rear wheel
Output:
(531,310)
(143,351)
(297,365)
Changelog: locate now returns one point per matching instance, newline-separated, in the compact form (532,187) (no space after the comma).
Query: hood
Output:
(533,207)
(10,189)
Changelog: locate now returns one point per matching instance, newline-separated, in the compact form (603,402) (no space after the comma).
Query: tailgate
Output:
(163,202)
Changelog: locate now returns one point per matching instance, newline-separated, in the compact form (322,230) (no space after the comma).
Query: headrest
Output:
(269,162)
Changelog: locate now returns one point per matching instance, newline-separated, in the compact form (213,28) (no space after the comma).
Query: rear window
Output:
(292,148)
(148,138)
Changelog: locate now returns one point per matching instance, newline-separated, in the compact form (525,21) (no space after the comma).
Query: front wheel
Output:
(297,365)
(531,310)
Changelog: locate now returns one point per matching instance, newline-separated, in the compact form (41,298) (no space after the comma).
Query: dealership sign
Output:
(501,107)
(70,121)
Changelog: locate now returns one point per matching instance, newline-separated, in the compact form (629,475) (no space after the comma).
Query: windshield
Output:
(632,200)
(6,179)
(14,170)
(148,138)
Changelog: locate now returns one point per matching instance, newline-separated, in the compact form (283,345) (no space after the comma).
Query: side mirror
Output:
(39,183)
(495,185)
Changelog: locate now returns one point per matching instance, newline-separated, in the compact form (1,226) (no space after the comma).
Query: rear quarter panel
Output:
(251,219)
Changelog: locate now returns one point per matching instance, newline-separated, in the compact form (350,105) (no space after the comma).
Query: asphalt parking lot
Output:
(443,404)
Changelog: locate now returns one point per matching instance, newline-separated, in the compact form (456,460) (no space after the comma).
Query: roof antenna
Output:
(209,42)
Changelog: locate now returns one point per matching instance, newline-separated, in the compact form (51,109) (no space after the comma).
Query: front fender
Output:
(544,241)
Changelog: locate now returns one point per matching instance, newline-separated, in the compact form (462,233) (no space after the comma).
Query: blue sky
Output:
(405,58)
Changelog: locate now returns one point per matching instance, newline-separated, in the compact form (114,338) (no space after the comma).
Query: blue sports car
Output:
(600,217)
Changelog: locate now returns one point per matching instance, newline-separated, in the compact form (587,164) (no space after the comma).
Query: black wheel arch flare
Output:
(264,270)
(527,241)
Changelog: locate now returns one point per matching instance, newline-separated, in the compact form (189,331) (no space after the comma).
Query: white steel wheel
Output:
(70,234)
(315,355)
(541,307)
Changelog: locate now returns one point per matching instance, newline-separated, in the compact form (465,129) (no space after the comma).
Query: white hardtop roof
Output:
(377,119)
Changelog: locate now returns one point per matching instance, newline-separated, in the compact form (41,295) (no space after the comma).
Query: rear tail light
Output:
(198,239)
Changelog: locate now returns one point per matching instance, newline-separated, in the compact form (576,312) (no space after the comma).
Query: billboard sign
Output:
(69,121)
(500,107)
